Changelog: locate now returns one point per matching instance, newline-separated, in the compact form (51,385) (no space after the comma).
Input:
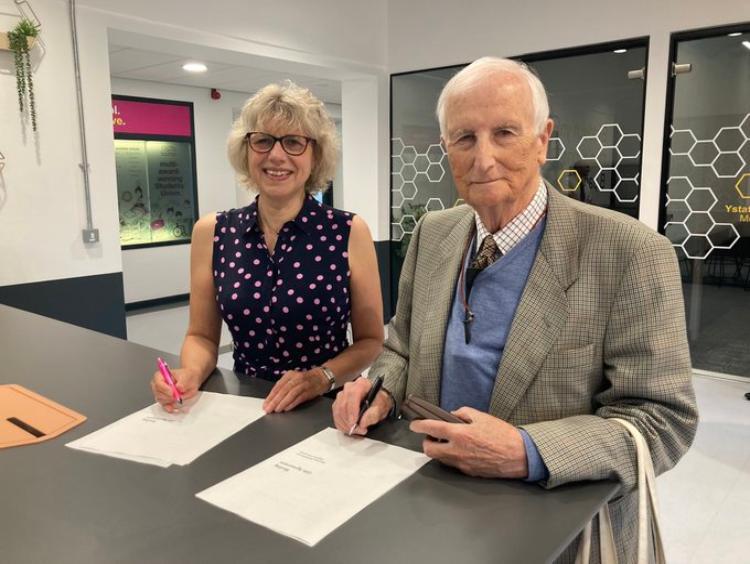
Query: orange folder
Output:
(28,418)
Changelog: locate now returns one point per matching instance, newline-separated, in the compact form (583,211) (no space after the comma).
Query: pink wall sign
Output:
(129,116)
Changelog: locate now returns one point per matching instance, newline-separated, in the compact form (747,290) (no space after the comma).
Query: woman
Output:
(286,273)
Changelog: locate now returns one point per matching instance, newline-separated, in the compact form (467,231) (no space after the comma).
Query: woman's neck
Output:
(273,214)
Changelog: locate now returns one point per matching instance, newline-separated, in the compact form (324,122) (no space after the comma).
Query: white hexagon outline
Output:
(741,125)
(415,172)
(442,173)
(397,191)
(416,190)
(724,153)
(671,152)
(688,255)
(394,171)
(578,147)
(402,146)
(416,154)
(690,154)
(742,136)
(562,152)
(732,227)
(398,226)
(689,211)
(612,148)
(398,176)
(685,178)
(617,173)
(619,185)
(427,204)
(401,223)
(638,154)
(442,153)
(429,164)
(691,214)
(616,126)
(702,188)
(667,224)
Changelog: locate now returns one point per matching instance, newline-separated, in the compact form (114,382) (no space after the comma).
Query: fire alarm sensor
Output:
(215,94)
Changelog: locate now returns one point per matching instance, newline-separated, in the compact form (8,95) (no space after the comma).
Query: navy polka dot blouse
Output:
(289,310)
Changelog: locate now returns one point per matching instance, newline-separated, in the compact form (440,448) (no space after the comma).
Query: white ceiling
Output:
(141,64)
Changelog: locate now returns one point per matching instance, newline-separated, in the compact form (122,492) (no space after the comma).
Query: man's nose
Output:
(484,154)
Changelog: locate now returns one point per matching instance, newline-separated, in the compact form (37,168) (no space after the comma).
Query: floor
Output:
(705,500)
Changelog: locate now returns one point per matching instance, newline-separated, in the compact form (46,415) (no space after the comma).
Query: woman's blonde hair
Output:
(289,106)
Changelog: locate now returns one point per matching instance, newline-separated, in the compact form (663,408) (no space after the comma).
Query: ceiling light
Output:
(734,34)
(619,51)
(194,67)
(746,44)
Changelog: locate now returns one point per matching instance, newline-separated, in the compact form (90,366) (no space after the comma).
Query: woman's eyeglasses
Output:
(293,145)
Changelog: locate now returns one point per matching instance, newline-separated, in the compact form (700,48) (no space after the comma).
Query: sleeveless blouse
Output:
(289,310)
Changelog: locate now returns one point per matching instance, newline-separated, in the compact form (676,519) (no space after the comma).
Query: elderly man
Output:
(533,317)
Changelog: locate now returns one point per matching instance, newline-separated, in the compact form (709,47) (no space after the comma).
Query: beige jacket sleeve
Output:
(646,365)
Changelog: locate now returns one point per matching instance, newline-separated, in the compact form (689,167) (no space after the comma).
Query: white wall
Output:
(41,187)
(364,105)
(42,208)
(432,33)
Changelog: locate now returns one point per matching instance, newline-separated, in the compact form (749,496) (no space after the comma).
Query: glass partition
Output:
(706,192)
(596,98)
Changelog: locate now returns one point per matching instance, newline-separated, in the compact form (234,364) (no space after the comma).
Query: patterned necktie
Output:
(487,254)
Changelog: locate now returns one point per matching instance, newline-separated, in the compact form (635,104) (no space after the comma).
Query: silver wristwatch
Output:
(331,377)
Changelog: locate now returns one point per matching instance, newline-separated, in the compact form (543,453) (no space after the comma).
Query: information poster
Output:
(170,172)
(154,155)
(132,191)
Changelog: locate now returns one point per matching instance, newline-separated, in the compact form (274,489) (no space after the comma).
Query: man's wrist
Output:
(392,402)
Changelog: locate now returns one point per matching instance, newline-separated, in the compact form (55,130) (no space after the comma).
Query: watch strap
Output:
(331,377)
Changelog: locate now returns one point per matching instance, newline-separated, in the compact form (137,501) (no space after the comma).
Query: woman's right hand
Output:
(187,382)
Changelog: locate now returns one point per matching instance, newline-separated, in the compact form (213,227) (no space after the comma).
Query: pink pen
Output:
(167,375)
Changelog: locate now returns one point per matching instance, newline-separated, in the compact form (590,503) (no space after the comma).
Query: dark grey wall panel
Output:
(94,302)
(382,249)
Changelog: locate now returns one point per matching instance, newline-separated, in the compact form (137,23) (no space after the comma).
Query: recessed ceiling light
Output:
(194,67)
(619,51)
(746,44)
(734,34)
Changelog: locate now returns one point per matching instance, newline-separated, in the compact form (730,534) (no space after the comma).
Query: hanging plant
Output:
(18,39)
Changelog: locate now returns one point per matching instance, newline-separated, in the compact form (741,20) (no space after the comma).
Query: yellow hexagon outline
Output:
(737,186)
(458,202)
(574,171)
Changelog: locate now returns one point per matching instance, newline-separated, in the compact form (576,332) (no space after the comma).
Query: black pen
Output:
(374,389)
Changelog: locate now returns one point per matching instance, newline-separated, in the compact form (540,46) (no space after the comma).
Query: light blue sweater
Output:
(469,371)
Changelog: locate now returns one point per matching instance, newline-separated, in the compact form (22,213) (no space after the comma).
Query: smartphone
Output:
(415,407)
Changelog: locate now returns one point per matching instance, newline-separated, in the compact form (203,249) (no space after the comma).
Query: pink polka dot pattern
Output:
(288,310)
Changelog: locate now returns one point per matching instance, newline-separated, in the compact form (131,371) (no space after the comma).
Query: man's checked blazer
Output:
(599,332)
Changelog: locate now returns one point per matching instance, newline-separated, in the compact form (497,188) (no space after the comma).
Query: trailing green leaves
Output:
(18,39)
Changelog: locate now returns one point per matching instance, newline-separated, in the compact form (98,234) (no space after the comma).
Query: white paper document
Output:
(313,487)
(154,436)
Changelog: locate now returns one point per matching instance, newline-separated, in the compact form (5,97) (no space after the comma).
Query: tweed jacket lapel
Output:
(543,308)
(442,283)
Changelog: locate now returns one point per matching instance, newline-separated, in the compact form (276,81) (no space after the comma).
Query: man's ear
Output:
(544,138)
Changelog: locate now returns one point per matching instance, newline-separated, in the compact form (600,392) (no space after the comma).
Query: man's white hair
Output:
(485,67)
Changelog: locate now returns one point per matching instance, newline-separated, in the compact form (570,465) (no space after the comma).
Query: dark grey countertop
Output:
(62,505)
